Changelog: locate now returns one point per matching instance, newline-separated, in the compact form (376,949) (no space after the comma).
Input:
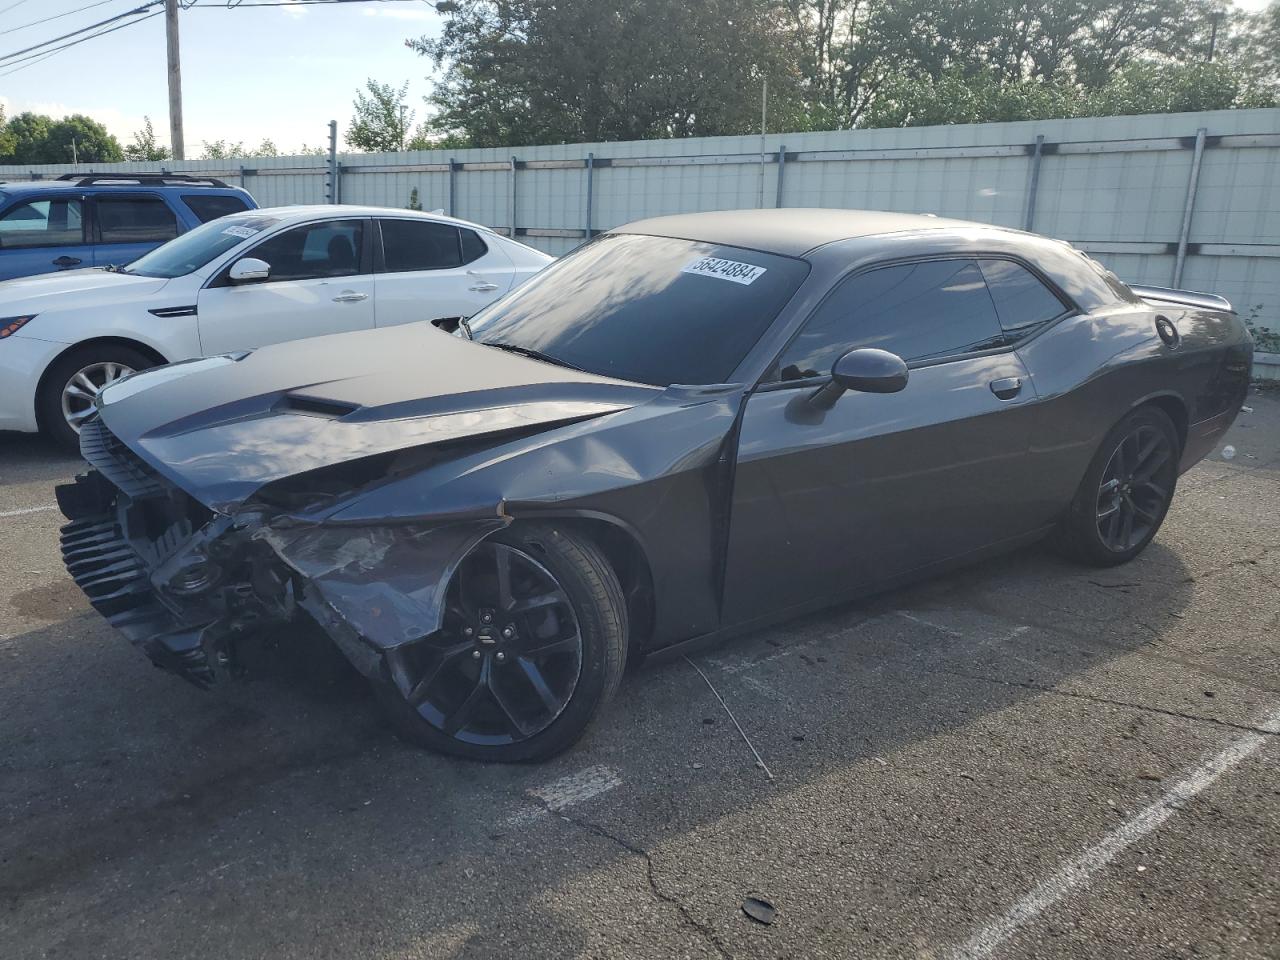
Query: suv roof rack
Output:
(133,179)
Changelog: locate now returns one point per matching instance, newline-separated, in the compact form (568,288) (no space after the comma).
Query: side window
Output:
(473,248)
(42,223)
(419,245)
(313,251)
(920,311)
(208,208)
(134,220)
(1023,303)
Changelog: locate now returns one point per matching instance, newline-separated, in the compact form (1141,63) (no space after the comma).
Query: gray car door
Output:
(827,503)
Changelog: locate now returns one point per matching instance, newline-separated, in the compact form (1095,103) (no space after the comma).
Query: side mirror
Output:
(249,270)
(865,370)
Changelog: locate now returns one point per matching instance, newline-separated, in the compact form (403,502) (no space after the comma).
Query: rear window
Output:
(208,208)
(134,220)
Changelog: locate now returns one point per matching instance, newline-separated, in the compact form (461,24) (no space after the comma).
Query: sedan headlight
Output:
(11,325)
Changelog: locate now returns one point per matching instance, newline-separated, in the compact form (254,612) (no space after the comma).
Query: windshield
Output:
(197,247)
(647,309)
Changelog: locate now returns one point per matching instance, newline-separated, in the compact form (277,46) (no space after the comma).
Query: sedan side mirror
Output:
(866,370)
(249,270)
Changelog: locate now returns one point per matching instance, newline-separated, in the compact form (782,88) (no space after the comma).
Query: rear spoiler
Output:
(1185,298)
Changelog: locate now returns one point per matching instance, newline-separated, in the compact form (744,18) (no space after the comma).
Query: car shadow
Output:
(31,458)
(287,804)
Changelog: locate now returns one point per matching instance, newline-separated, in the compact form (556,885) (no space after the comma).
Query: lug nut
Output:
(508,633)
(467,631)
(500,657)
(486,617)
(475,654)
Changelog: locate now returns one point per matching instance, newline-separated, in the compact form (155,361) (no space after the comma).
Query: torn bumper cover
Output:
(190,586)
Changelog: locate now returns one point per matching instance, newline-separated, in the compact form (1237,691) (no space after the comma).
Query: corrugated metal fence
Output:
(1187,199)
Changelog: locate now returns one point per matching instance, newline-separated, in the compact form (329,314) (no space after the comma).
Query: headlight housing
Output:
(11,325)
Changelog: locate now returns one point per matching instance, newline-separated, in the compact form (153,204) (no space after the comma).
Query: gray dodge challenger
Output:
(689,427)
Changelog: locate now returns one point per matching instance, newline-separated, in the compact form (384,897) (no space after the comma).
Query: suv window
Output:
(1023,303)
(920,311)
(134,220)
(208,208)
(312,251)
(42,223)
(419,245)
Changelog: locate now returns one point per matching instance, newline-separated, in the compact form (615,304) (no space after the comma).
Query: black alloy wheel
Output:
(1134,493)
(531,644)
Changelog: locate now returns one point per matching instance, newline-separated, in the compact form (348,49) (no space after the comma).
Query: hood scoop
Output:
(316,406)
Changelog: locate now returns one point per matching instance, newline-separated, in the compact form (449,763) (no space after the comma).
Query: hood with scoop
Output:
(223,427)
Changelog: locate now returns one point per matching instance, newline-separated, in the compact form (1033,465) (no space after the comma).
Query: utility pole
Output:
(175,79)
(1213,34)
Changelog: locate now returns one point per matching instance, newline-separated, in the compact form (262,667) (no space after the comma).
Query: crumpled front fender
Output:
(373,588)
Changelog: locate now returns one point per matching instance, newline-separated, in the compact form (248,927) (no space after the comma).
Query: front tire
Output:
(533,645)
(1126,492)
(73,381)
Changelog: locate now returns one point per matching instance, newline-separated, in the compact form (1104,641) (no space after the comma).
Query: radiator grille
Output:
(115,461)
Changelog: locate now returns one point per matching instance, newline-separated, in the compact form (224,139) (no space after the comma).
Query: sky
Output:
(247,74)
(279,73)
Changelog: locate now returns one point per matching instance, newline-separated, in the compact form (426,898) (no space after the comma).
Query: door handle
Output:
(1007,388)
(483,287)
(350,296)
(63,262)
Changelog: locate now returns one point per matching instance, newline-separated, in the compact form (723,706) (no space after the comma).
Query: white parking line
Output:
(25,510)
(565,792)
(1078,870)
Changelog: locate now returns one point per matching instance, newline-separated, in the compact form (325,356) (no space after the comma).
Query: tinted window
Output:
(197,247)
(134,220)
(330,249)
(648,309)
(208,208)
(1023,302)
(41,223)
(473,248)
(419,245)
(920,311)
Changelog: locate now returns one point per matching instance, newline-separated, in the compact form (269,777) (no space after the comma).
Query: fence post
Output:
(1037,155)
(453,194)
(512,228)
(591,170)
(331,194)
(782,166)
(1187,207)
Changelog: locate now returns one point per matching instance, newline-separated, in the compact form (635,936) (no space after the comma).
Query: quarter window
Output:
(211,207)
(1023,303)
(409,245)
(473,248)
(134,220)
(313,251)
(42,223)
(920,311)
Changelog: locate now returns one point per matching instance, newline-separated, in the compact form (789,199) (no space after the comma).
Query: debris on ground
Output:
(761,911)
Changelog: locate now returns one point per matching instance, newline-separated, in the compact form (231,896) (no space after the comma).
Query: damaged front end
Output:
(191,586)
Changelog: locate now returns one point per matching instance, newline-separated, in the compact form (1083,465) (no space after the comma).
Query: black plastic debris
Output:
(761,911)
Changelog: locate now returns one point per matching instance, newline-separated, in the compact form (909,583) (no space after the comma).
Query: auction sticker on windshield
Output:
(245,232)
(744,273)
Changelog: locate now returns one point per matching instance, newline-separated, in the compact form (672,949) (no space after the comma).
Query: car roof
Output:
(17,188)
(792,231)
(314,211)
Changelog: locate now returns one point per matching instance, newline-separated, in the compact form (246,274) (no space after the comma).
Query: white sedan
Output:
(239,282)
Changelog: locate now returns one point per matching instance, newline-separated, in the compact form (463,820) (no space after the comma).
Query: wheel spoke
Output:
(1150,468)
(1110,509)
(82,380)
(537,602)
(1126,525)
(79,416)
(563,645)
(1155,488)
(465,710)
(509,710)
(443,657)
(1148,515)
(503,565)
(539,683)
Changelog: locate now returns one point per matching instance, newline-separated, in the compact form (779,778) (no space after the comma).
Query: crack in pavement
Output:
(1028,685)
(690,921)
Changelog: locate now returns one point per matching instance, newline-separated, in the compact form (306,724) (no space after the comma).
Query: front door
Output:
(826,503)
(320,283)
(125,226)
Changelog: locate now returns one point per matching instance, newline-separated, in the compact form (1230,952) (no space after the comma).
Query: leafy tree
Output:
(382,119)
(29,132)
(545,71)
(8,142)
(267,148)
(80,139)
(1172,88)
(414,202)
(222,150)
(145,146)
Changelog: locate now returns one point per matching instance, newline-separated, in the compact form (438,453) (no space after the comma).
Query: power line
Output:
(57,16)
(74,33)
(32,59)
(13,6)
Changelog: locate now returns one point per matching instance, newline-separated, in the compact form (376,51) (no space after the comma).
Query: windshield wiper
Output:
(116,268)
(533,354)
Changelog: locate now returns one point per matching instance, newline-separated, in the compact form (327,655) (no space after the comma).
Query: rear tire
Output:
(526,695)
(71,383)
(1126,492)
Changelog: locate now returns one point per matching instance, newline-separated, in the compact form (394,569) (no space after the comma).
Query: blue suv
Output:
(101,220)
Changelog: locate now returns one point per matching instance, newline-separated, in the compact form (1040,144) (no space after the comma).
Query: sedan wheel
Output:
(532,643)
(79,392)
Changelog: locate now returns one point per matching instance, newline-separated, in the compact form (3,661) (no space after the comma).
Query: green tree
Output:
(29,132)
(145,145)
(267,148)
(382,118)
(546,71)
(222,150)
(8,142)
(1172,88)
(78,139)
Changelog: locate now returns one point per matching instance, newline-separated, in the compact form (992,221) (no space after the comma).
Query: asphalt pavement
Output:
(1027,759)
